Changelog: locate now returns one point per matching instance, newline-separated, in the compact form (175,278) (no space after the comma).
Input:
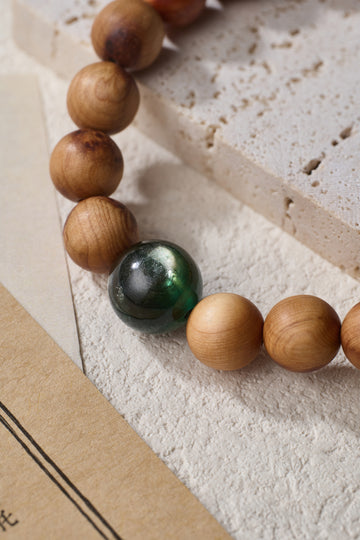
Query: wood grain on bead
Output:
(128,32)
(103,97)
(98,231)
(224,331)
(350,335)
(178,12)
(302,333)
(86,163)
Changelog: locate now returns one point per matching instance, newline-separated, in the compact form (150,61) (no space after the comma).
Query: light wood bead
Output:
(86,163)
(128,32)
(103,97)
(98,231)
(178,12)
(302,333)
(224,331)
(350,335)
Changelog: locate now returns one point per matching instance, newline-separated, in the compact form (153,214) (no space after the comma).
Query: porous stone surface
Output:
(260,96)
(272,454)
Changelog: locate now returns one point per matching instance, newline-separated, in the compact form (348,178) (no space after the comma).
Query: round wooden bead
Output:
(178,12)
(86,163)
(98,231)
(128,32)
(224,331)
(302,333)
(103,97)
(350,335)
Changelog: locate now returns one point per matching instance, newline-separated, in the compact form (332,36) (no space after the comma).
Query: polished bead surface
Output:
(98,231)
(128,32)
(155,286)
(302,333)
(86,163)
(350,335)
(225,331)
(104,97)
(178,12)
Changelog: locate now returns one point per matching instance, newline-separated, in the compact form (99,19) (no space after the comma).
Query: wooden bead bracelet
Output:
(156,286)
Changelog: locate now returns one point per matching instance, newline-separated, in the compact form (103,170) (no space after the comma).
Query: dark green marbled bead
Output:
(155,286)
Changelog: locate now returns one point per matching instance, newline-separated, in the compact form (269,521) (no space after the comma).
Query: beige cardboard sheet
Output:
(70,466)
(32,261)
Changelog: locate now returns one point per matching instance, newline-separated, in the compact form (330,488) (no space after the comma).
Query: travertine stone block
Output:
(261,96)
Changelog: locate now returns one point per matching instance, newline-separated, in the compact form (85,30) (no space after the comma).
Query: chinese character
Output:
(5,520)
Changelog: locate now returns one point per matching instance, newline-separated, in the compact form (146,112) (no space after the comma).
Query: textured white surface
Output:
(271,454)
(255,95)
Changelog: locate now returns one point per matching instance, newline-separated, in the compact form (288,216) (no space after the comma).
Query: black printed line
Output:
(72,486)
(43,468)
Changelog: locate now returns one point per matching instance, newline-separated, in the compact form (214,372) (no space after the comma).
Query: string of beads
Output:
(156,286)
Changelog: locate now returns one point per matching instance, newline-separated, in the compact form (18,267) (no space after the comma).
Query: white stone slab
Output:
(261,96)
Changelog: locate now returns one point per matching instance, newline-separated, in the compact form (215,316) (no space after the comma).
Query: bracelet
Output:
(156,286)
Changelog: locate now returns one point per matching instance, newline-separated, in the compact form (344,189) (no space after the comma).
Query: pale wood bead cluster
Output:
(301,333)
(225,331)
(103,99)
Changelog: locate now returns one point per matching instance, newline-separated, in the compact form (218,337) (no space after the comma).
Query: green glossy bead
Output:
(155,286)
